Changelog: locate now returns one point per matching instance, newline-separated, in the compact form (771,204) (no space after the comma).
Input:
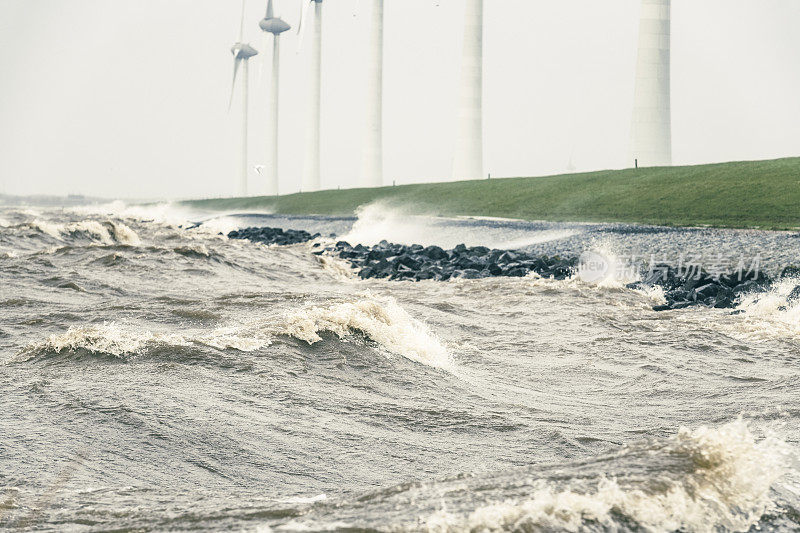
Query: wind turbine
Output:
(651,130)
(468,160)
(242,52)
(311,165)
(274,25)
(372,157)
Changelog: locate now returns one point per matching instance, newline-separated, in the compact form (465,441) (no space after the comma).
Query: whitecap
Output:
(727,489)
(108,338)
(768,314)
(107,232)
(123,340)
(383,321)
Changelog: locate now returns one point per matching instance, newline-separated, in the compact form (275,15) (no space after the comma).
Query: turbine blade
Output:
(270,11)
(236,62)
(300,27)
(241,23)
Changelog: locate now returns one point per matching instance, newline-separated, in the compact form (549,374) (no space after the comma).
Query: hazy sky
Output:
(130,98)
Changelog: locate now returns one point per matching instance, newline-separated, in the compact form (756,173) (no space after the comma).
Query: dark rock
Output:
(467,262)
(562,269)
(507,257)
(723,303)
(409,262)
(435,253)
(747,286)
(272,235)
(679,295)
(494,255)
(690,283)
(794,295)
(725,298)
(706,291)
(494,269)
(790,272)
(468,273)
(517,272)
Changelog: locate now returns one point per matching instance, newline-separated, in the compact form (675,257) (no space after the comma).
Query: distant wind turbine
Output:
(311,165)
(468,160)
(242,52)
(372,157)
(274,25)
(651,130)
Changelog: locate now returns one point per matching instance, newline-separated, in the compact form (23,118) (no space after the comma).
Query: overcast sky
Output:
(130,98)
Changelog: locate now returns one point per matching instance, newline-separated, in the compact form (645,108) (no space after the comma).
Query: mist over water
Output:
(159,376)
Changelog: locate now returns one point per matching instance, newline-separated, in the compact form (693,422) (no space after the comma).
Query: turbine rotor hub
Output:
(274,25)
(243,51)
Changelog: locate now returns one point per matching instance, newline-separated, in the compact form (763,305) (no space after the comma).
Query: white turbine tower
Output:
(468,160)
(651,131)
(274,25)
(372,157)
(242,52)
(311,164)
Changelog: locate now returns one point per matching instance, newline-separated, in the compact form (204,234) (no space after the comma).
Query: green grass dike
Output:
(752,194)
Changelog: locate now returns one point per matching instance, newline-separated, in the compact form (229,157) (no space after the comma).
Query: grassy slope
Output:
(762,194)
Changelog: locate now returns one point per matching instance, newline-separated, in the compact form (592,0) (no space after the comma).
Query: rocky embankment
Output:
(416,263)
(273,235)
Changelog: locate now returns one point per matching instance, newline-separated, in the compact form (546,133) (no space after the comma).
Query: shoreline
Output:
(682,286)
(759,195)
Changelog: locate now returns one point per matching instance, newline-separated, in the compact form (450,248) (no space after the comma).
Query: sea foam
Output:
(382,320)
(121,340)
(109,338)
(727,487)
(768,314)
(106,232)
(378,221)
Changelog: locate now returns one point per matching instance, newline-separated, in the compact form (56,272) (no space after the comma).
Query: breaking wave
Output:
(378,221)
(111,338)
(164,213)
(119,340)
(771,313)
(106,232)
(709,480)
(383,321)
(169,214)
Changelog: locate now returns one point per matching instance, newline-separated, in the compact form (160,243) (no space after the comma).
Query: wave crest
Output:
(120,341)
(106,232)
(769,314)
(385,322)
(109,338)
(726,487)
